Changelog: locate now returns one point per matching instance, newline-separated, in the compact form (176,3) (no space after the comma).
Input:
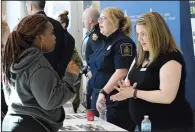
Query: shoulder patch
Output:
(126,49)
(94,37)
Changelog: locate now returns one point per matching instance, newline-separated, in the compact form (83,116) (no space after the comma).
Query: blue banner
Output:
(169,10)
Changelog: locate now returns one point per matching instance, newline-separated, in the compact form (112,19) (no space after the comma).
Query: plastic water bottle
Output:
(146,124)
(103,111)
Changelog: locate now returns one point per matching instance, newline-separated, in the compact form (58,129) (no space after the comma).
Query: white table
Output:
(78,122)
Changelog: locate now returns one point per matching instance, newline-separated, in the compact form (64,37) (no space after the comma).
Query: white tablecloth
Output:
(78,122)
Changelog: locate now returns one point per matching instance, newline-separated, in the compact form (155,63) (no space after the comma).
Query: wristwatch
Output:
(103,92)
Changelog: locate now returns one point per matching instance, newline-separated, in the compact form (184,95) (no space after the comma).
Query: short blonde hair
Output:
(160,37)
(115,14)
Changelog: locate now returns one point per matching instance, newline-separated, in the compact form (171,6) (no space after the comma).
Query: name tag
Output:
(143,69)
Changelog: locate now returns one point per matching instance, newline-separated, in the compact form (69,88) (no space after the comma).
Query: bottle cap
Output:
(146,116)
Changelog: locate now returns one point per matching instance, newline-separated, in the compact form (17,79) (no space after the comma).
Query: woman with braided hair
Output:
(33,91)
(5,31)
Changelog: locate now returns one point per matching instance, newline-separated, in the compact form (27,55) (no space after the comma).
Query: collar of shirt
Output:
(112,37)
(88,33)
(95,27)
(42,12)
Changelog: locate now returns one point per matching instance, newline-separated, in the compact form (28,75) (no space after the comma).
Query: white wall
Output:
(96,4)
(15,10)
(3,6)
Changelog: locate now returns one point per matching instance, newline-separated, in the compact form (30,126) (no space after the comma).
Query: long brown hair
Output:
(22,38)
(160,37)
(114,14)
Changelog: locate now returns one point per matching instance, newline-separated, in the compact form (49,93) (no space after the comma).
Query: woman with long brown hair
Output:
(33,91)
(158,79)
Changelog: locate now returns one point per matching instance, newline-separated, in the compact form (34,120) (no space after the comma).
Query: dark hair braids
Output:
(22,38)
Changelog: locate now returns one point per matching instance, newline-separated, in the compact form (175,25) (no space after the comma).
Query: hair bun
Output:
(66,13)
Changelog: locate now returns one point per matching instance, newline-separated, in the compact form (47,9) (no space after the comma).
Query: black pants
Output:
(89,94)
(24,123)
(95,93)
(118,113)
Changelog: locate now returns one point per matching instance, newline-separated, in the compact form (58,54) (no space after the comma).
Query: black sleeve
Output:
(125,52)
(65,54)
(177,56)
(59,51)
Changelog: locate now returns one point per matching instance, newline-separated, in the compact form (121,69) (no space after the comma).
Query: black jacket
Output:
(70,44)
(58,55)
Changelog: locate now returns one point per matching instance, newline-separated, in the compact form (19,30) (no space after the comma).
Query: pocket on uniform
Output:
(104,60)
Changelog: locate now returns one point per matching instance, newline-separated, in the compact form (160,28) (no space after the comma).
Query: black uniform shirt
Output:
(117,52)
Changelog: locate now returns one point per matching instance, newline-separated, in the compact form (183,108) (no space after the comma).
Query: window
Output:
(53,8)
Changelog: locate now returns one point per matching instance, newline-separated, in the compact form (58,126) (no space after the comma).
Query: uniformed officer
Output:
(91,42)
(110,63)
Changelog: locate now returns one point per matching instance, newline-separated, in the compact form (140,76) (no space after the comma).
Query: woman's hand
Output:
(125,91)
(101,100)
(73,68)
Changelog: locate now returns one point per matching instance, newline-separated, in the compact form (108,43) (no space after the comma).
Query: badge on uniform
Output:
(126,49)
(94,37)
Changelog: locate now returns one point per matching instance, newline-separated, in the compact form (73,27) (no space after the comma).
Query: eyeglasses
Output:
(101,19)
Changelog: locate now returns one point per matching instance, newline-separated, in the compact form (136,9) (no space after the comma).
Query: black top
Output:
(116,52)
(70,44)
(178,114)
(58,55)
